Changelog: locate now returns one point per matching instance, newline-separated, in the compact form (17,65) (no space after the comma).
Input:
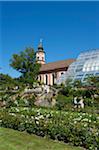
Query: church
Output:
(50,72)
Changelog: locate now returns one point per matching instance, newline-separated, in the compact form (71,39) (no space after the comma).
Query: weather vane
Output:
(41,40)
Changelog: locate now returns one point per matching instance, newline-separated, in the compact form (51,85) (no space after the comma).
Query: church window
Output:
(46,80)
(62,73)
(40,78)
(53,79)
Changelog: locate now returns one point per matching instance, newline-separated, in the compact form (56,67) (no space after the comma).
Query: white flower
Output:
(85,119)
(37,122)
(48,115)
(90,115)
(17,110)
(36,118)
(78,119)
(89,120)
(75,122)
(16,102)
(32,117)
(22,116)
(13,114)
(41,117)
(85,125)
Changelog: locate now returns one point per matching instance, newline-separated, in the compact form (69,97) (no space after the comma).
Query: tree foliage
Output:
(6,81)
(25,63)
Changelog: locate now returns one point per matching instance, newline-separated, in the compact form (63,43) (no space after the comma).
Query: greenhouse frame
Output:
(86,64)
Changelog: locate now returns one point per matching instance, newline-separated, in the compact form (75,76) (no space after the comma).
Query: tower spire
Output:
(40,46)
(41,40)
(40,54)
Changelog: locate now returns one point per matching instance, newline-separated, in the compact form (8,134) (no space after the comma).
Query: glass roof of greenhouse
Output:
(86,64)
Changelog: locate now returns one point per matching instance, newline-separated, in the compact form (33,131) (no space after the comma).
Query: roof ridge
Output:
(59,61)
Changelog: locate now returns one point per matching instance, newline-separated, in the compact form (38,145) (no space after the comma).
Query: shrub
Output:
(80,129)
(31,101)
(62,102)
(10,103)
(89,102)
(66,91)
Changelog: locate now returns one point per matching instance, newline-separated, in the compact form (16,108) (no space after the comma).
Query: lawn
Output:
(15,140)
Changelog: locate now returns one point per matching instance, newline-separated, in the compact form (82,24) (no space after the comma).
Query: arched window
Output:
(62,73)
(53,79)
(40,78)
(46,79)
(37,58)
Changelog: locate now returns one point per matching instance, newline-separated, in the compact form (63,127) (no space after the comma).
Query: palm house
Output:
(86,64)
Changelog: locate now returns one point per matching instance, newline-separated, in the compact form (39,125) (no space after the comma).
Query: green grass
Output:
(15,140)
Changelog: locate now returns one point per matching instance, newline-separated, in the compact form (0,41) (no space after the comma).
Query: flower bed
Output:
(77,128)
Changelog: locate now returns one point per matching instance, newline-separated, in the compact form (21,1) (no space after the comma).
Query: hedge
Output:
(80,129)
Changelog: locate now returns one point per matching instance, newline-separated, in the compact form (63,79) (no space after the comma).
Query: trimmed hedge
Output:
(80,129)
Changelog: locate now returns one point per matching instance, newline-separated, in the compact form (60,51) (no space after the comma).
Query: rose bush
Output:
(80,129)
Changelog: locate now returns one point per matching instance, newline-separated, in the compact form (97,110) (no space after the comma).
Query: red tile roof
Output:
(56,65)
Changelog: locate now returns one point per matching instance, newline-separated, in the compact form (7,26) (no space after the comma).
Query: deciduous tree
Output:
(25,63)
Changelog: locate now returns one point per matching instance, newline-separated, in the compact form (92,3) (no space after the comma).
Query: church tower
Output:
(40,54)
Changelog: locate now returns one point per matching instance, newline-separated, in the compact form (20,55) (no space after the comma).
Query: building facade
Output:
(50,72)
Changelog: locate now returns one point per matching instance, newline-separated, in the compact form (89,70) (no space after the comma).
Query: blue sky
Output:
(67,28)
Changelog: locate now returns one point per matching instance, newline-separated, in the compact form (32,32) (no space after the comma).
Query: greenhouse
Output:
(86,64)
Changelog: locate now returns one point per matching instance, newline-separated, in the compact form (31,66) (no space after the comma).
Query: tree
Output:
(6,81)
(25,63)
